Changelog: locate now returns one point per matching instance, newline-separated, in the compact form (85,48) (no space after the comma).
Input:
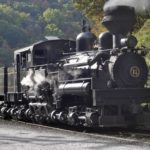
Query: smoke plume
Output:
(141,6)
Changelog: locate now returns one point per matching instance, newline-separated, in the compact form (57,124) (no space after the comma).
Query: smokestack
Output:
(141,7)
(119,20)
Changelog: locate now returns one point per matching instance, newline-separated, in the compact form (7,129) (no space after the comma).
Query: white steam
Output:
(28,80)
(141,6)
(39,78)
(75,73)
(33,79)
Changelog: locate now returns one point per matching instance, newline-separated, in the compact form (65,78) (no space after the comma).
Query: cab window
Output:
(25,59)
(39,57)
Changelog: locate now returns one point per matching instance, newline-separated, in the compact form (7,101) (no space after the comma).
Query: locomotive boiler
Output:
(72,82)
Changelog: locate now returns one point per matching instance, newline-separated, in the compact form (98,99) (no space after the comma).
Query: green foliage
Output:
(93,10)
(52,29)
(140,20)
(143,36)
(51,15)
(24,22)
(6,56)
(10,31)
(90,7)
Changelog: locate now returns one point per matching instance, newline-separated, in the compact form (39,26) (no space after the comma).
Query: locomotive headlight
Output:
(130,42)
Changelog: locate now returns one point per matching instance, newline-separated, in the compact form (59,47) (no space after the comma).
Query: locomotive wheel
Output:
(4,112)
(28,114)
(73,119)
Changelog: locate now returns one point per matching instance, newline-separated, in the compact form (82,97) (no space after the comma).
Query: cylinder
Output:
(80,88)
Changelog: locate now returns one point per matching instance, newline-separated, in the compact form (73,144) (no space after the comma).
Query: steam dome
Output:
(85,41)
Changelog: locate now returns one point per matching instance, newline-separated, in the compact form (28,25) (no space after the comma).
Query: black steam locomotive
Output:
(70,82)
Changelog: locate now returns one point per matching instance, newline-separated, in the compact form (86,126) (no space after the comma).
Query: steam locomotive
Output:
(72,82)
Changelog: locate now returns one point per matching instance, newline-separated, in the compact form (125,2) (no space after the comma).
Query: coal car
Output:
(78,83)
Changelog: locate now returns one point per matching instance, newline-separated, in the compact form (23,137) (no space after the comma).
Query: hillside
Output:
(24,22)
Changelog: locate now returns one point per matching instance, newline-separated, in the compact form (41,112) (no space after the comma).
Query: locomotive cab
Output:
(44,52)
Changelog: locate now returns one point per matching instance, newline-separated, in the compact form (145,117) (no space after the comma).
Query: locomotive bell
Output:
(119,19)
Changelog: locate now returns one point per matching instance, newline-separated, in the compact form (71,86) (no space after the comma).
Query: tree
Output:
(52,29)
(93,10)
(25,22)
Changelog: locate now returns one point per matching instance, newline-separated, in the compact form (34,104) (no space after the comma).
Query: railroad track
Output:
(121,134)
